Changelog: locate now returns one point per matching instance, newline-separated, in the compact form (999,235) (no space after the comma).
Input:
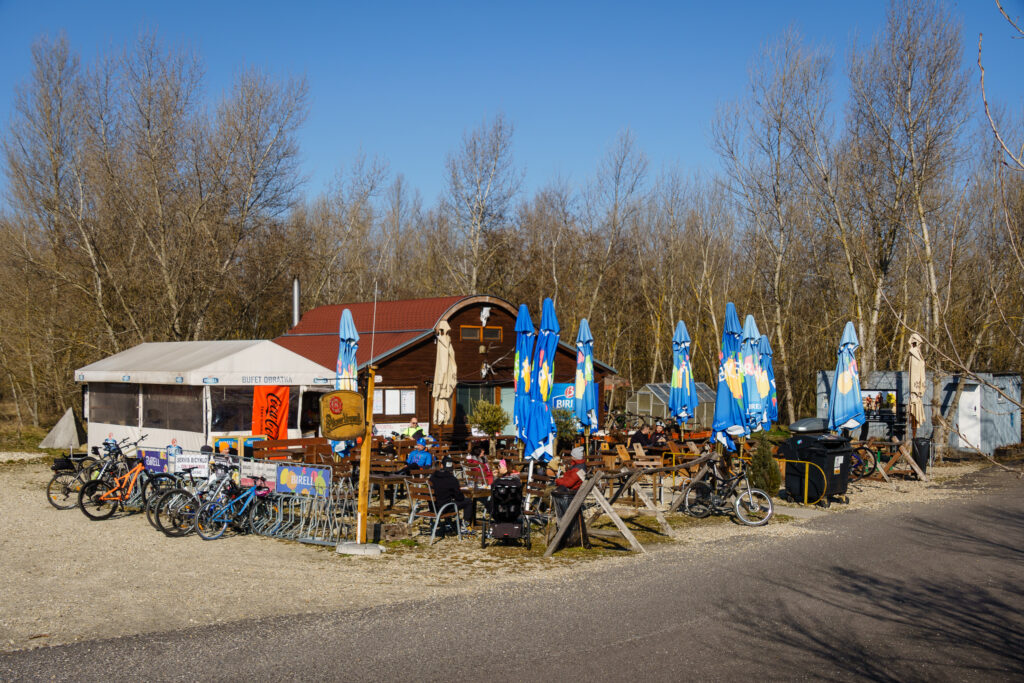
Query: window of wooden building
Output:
(394,401)
(478,333)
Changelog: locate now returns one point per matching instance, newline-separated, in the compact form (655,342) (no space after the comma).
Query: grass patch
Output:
(25,441)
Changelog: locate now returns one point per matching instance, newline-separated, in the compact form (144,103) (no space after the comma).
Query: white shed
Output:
(194,391)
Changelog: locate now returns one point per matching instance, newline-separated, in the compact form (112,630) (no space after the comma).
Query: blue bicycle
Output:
(236,508)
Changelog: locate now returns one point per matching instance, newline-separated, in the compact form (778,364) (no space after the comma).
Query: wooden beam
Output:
(570,514)
(652,507)
(608,510)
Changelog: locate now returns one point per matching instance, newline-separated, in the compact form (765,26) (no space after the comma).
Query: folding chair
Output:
(421,497)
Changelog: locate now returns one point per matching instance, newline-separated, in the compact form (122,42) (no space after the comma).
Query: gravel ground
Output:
(67,578)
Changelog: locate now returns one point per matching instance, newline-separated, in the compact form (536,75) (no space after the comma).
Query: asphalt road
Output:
(930,592)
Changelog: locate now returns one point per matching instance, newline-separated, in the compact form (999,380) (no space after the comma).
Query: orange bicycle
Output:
(100,498)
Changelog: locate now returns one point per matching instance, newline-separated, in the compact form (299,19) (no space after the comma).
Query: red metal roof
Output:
(398,323)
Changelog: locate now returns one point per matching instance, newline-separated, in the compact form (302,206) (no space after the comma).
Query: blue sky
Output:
(403,81)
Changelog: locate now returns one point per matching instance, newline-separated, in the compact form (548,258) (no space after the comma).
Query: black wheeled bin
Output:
(832,456)
(577,534)
(922,452)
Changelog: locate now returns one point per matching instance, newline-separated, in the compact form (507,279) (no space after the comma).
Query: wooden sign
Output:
(341,415)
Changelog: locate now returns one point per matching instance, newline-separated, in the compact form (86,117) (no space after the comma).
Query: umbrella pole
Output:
(364,462)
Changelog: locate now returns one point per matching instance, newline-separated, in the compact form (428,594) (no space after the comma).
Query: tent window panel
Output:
(172,407)
(232,409)
(114,404)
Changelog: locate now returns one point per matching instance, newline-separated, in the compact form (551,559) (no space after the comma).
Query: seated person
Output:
(413,431)
(641,436)
(553,464)
(503,470)
(478,462)
(418,458)
(447,490)
(660,436)
(575,473)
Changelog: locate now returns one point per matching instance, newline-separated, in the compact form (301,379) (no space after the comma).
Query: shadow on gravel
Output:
(914,630)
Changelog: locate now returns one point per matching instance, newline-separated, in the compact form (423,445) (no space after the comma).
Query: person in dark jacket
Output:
(447,490)
(642,436)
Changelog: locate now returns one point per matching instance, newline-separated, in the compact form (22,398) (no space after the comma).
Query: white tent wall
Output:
(156,368)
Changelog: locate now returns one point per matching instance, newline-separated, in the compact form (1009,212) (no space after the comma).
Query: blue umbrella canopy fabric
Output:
(682,397)
(348,342)
(729,420)
(768,368)
(845,407)
(539,425)
(585,392)
(521,374)
(750,357)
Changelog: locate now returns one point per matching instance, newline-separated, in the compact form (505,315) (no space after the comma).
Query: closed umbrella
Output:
(345,376)
(445,370)
(539,425)
(521,373)
(768,369)
(348,341)
(729,420)
(682,398)
(845,407)
(750,357)
(585,391)
(918,384)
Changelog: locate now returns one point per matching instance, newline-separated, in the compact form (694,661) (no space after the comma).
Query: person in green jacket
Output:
(410,431)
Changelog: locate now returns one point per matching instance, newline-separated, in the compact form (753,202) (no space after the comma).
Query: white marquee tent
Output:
(193,391)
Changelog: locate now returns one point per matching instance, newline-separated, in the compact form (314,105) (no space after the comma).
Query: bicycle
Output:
(863,463)
(100,498)
(214,516)
(175,512)
(69,475)
(722,492)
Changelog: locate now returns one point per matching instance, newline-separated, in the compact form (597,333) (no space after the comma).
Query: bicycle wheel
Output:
(211,521)
(863,464)
(90,499)
(176,512)
(153,494)
(697,499)
(754,507)
(262,516)
(62,491)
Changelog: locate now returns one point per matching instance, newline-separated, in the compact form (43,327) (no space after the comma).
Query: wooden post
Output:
(364,462)
(570,513)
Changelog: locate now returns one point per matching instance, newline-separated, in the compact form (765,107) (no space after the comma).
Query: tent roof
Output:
(65,434)
(234,362)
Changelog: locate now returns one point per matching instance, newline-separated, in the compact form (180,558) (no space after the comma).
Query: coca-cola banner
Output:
(270,411)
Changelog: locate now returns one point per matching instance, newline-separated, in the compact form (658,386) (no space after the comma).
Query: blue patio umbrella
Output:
(521,374)
(345,375)
(585,392)
(768,368)
(348,342)
(750,357)
(845,407)
(729,420)
(539,425)
(682,398)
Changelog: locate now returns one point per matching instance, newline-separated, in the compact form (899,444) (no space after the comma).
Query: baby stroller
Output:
(503,517)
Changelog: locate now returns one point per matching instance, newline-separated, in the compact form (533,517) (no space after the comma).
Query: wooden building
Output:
(399,338)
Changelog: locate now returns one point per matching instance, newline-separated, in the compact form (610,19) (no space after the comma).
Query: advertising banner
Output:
(270,411)
(250,469)
(303,480)
(201,461)
(154,460)
(562,396)
(341,415)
